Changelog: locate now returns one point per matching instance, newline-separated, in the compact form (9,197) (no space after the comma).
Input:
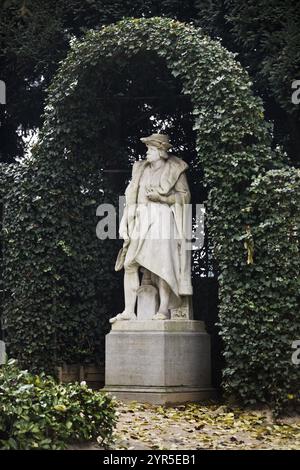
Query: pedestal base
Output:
(161,395)
(158,362)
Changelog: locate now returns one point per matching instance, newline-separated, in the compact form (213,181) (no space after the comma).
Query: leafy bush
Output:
(38,413)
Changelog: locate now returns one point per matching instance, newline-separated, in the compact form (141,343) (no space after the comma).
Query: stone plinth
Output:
(158,361)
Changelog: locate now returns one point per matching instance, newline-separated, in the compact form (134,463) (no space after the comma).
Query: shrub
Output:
(38,413)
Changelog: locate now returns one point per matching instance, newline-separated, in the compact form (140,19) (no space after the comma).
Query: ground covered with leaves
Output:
(195,426)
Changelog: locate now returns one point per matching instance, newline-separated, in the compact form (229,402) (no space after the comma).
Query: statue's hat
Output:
(161,141)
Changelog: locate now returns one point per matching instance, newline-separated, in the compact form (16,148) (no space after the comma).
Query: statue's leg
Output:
(164,297)
(131,285)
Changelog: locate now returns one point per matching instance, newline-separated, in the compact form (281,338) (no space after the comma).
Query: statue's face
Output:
(152,154)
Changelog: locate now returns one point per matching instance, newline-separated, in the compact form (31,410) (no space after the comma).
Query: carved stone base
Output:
(158,361)
(160,395)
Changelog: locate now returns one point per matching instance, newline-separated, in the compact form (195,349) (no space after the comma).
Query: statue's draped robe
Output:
(158,232)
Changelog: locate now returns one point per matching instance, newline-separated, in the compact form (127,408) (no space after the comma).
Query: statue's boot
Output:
(160,316)
(123,316)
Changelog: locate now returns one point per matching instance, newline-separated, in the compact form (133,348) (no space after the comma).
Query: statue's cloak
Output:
(168,258)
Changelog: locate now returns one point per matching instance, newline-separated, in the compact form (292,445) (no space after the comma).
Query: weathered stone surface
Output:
(147,302)
(160,325)
(161,395)
(158,361)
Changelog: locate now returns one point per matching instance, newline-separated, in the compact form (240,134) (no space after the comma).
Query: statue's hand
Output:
(153,195)
(124,235)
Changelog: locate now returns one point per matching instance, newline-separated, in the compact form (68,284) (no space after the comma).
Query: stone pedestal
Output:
(158,362)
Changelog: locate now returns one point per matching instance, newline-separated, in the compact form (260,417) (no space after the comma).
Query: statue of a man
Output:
(153,227)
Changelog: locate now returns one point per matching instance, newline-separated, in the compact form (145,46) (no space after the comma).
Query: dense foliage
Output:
(34,37)
(267,36)
(54,265)
(58,284)
(260,316)
(38,413)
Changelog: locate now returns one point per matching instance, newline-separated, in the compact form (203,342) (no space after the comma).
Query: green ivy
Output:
(259,360)
(53,263)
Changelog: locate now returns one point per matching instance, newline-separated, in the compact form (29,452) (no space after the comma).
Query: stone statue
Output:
(155,228)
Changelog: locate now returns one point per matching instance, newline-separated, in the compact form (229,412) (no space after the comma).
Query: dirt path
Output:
(197,426)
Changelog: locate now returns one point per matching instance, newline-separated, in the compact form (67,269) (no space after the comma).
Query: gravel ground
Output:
(199,427)
(195,426)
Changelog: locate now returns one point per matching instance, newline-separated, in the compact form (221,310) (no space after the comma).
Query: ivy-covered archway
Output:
(59,278)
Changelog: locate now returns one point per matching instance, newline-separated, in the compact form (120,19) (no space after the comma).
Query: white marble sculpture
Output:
(155,231)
